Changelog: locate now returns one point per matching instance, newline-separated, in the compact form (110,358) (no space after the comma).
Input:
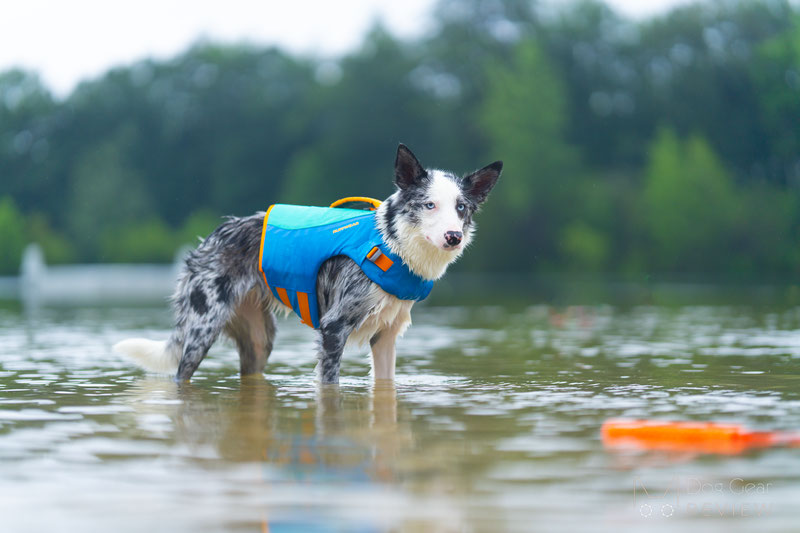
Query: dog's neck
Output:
(405,240)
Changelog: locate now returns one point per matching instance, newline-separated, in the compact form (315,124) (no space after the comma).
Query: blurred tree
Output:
(197,226)
(776,73)
(106,194)
(766,232)
(210,129)
(570,97)
(691,205)
(359,116)
(26,122)
(687,69)
(594,51)
(584,247)
(470,38)
(12,236)
(139,242)
(696,59)
(523,119)
(55,246)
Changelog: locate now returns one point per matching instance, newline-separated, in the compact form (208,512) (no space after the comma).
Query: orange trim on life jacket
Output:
(261,250)
(283,296)
(305,314)
(366,199)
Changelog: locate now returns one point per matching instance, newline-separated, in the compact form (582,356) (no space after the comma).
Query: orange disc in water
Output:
(700,437)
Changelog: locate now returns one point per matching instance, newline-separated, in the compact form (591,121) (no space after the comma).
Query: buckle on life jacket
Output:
(379,258)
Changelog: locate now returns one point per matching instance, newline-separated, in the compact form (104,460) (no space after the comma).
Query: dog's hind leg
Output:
(202,335)
(199,330)
(252,327)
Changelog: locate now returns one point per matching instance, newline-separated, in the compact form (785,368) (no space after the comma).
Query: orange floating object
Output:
(698,437)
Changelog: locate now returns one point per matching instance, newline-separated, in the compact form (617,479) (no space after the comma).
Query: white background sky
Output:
(68,41)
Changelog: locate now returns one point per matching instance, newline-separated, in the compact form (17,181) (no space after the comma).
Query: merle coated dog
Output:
(427,222)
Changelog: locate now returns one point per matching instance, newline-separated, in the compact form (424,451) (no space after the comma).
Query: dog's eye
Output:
(430,205)
(460,207)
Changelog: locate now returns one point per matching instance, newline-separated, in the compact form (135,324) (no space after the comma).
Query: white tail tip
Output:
(150,355)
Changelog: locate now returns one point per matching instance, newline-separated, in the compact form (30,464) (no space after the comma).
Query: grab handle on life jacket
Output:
(356,199)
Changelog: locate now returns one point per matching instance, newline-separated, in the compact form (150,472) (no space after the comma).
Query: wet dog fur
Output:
(428,222)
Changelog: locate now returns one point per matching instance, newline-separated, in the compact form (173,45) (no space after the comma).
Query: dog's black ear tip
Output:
(407,168)
(497,165)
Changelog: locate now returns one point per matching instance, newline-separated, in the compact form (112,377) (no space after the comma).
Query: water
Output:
(492,425)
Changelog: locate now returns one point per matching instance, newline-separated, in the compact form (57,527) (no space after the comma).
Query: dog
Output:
(427,223)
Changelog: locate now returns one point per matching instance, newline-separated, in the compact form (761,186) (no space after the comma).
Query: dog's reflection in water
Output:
(325,434)
(315,453)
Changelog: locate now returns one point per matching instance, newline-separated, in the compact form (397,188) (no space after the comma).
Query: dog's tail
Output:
(155,356)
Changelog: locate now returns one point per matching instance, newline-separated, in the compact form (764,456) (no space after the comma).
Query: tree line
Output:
(669,145)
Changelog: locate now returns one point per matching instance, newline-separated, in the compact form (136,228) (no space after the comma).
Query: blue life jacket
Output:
(296,240)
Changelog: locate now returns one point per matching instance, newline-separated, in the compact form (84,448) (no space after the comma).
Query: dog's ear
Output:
(407,170)
(478,184)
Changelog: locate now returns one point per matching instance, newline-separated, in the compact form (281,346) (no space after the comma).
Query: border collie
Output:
(427,222)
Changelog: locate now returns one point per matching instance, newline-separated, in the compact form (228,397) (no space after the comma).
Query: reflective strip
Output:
(379,258)
(283,296)
(305,313)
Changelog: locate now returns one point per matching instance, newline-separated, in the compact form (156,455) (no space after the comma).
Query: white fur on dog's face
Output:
(440,212)
(420,232)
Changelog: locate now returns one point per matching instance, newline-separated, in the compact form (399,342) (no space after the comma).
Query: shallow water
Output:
(492,425)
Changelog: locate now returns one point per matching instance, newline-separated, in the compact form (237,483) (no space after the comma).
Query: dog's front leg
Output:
(382,345)
(346,297)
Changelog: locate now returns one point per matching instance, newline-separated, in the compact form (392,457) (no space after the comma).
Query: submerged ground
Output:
(493,425)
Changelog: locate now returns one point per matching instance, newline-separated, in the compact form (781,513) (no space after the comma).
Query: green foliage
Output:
(767,232)
(305,177)
(585,249)
(57,248)
(691,204)
(523,117)
(106,194)
(197,226)
(776,73)
(12,236)
(139,242)
(663,145)
(152,240)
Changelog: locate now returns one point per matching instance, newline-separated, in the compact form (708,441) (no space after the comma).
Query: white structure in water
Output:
(39,283)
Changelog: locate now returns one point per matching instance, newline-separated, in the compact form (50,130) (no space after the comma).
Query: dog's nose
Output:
(453,237)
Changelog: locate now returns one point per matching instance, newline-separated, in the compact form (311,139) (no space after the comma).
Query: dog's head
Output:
(440,204)
(430,215)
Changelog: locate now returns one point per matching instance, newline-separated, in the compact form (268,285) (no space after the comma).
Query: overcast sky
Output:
(68,41)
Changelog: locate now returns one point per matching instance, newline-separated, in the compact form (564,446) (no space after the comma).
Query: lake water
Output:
(493,425)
